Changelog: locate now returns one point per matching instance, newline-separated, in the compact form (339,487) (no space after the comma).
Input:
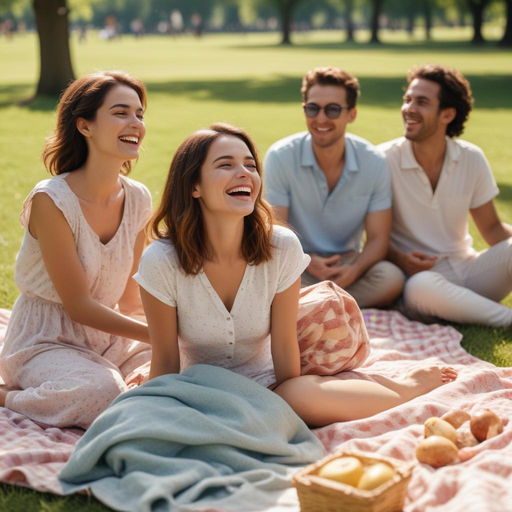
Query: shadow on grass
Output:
(400,47)
(505,195)
(490,92)
(22,95)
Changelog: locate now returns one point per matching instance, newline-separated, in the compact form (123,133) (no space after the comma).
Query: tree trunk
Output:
(477,11)
(286,10)
(349,8)
(507,36)
(411,19)
(56,70)
(427,10)
(377,8)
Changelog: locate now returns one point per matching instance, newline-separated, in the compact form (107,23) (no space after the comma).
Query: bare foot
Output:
(423,380)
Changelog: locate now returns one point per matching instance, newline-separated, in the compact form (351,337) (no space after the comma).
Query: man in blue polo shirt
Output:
(330,186)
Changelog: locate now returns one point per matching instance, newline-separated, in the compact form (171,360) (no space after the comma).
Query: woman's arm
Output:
(130,303)
(163,330)
(283,333)
(48,225)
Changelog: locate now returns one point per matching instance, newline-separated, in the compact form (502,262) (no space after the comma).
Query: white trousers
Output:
(464,290)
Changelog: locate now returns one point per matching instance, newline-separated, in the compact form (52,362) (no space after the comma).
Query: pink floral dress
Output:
(68,372)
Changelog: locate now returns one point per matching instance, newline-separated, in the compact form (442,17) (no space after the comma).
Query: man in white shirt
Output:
(437,180)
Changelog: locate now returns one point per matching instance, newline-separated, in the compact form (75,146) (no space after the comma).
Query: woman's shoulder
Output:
(59,192)
(136,187)
(161,251)
(158,271)
(284,238)
(289,259)
(53,185)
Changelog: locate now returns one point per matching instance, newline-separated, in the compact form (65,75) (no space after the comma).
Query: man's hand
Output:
(416,261)
(348,275)
(324,268)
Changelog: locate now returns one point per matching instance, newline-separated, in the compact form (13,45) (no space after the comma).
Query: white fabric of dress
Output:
(44,349)
(208,333)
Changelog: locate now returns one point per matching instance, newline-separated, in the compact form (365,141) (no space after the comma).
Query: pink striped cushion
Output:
(331,331)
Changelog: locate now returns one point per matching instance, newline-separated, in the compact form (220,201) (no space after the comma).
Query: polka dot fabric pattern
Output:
(331,331)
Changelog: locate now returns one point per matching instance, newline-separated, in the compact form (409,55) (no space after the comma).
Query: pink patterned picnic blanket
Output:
(32,454)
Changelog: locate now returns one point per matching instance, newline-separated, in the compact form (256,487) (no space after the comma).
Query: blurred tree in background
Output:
(507,36)
(52,20)
(477,11)
(56,70)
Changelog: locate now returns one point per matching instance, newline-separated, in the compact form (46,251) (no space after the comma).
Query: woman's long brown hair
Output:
(179,218)
(66,150)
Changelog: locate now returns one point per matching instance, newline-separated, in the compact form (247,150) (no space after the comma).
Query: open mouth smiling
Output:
(129,139)
(239,192)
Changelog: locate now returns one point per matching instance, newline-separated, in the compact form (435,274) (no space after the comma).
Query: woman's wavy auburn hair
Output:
(179,218)
(66,149)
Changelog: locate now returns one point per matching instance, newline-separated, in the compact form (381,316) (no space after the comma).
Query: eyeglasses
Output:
(332,111)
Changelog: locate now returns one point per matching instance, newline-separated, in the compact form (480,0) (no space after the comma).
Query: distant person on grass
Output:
(71,336)
(330,186)
(437,180)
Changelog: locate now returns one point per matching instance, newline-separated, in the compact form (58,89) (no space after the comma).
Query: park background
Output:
(241,62)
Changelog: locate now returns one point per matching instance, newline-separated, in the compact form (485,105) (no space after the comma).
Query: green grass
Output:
(249,81)
(20,499)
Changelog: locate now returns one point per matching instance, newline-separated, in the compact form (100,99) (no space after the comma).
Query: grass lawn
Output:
(249,81)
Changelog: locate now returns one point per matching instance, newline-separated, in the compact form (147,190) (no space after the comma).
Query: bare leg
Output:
(320,401)
(424,379)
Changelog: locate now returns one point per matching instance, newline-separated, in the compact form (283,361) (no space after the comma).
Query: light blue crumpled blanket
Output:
(205,438)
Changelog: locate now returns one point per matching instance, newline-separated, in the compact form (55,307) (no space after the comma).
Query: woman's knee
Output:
(300,394)
(72,401)
(105,389)
(88,399)
(95,398)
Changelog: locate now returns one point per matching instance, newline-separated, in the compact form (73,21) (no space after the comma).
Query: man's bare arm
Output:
(492,229)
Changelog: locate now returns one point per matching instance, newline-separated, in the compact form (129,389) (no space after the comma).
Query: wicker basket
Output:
(321,495)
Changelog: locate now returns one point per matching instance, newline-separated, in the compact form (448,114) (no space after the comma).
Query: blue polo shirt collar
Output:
(308,156)
(350,156)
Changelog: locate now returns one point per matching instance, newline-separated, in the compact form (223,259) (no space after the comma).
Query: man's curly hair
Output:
(455,92)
